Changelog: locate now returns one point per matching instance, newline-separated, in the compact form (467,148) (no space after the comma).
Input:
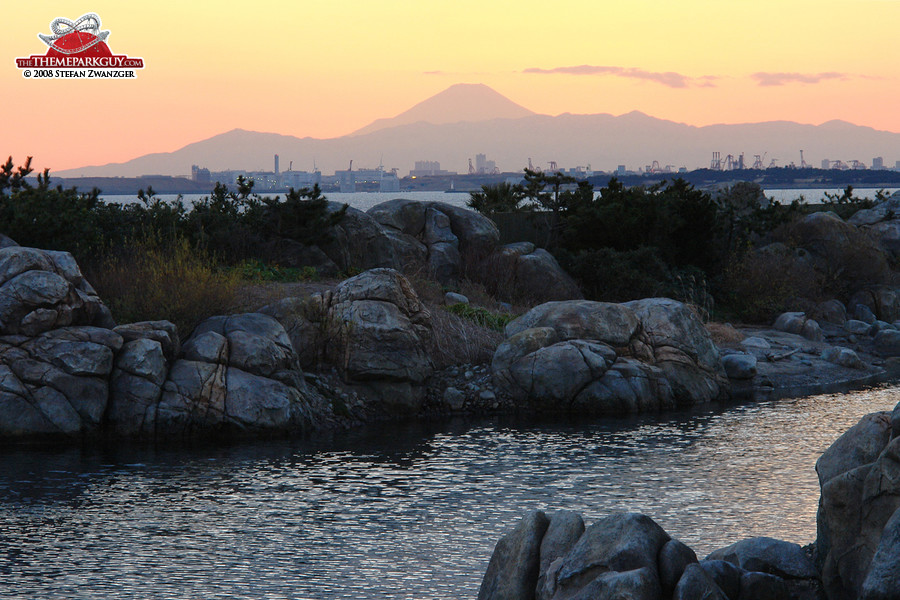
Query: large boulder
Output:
(359,242)
(623,542)
(768,555)
(609,358)
(512,573)
(532,273)
(450,236)
(41,290)
(55,384)
(373,329)
(882,222)
(860,482)
(236,374)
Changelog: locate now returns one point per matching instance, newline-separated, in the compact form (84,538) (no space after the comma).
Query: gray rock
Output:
(42,290)
(762,586)
(620,542)
(636,584)
(863,313)
(895,422)
(844,357)
(879,326)
(830,311)
(674,558)
(799,324)
(857,327)
(512,572)
(537,275)
(726,575)
(406,216)
(683,349)
(768,555)
(696,584)
(478,236)
(359,242)
(887,342)
(444,262)
(564,530)
(883,579)
(163,332)
(451,298)
(454,398)
(756,342)
(612,324)
(135,388)
(739,366)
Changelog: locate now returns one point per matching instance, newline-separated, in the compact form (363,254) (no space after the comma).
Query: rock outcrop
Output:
(627,555)
(373,329)
(596,357)
(858,511)
(448,242)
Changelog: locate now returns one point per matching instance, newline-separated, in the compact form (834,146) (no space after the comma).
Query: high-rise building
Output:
(276,164)
(826,164)
(620,171)
(878,162)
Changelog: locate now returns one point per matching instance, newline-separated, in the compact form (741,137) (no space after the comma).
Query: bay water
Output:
(400,511)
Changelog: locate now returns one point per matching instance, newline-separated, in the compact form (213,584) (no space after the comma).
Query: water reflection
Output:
(399,510)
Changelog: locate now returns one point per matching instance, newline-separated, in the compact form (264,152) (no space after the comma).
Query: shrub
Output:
(760,285)
(609,275)
(457,340)
(480,316)
(152,280)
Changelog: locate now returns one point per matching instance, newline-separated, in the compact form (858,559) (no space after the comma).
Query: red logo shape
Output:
(79,38)
(78,44)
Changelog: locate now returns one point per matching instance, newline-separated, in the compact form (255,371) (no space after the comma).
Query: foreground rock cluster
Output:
(67,371)
(628,555)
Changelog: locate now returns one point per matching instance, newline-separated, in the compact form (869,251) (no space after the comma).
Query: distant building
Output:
(276,164)
(428,168)
(897,166)
(200,175)
(483,166)
(620,171)
(826,164)
(878,162)
(301,179)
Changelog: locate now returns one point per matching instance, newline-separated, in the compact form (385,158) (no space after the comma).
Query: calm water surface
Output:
(397,511)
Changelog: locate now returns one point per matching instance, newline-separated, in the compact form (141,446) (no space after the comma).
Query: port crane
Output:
(472,167)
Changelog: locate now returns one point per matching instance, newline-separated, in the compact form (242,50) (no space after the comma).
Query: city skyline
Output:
(327,70)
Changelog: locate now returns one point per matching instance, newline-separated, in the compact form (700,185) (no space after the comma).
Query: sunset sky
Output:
(324,69)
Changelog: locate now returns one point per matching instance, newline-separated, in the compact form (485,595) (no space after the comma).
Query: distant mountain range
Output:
(464,120)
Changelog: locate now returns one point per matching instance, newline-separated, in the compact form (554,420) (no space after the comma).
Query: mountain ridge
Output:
(601,140)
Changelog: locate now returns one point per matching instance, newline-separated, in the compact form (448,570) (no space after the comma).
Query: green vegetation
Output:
(151,259)
(481,316)
(671,239)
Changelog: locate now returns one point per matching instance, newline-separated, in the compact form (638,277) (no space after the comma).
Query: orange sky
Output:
(324,69)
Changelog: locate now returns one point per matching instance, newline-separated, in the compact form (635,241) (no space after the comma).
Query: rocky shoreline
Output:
(363,349)
(627,555)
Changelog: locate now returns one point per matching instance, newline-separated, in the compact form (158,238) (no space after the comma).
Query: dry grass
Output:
(150,280)
(460,341)
(723,334)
